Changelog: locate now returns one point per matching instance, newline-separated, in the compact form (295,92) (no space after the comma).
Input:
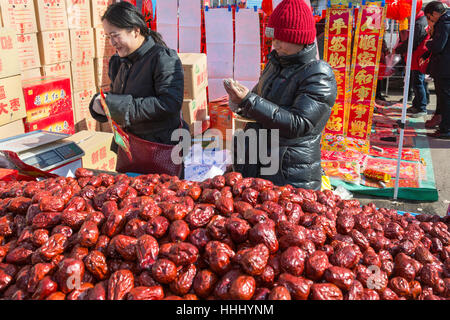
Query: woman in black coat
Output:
(294,95)
(146,78)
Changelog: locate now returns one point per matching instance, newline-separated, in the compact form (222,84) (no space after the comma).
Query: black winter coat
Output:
(294,94)
(146,92)
(440,48)
(420,33)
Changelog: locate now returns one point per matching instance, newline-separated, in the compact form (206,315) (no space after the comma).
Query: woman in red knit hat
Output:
(294,94)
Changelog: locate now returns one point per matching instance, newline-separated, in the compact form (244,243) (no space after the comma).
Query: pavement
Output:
(440,153)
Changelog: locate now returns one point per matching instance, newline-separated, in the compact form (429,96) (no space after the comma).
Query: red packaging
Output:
(46,97)
(62,123)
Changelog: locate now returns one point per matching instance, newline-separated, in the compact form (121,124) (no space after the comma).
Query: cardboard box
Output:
(96,147)
(221,118)
(195,109)
(51,14)
(12,104)
(83,74)
(98,8)
(46,97)
(78,14)
(81,100)
(19,15)
(103,47)
(57,70)
(54,46)
(28,51)
(101,71)
(9,59)
(88,124)
(61,122)
(195,73)
(82,44)
(31,74)
(12,129)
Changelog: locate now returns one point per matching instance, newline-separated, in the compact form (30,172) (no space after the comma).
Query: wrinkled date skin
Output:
(325,291)
(316,265)
(164,271)
(147,250)
(298,287)
(95,263)
(146,293)
(255,260)
(204,283)
(120,284)
(292,260)
(341,277)
(182,253)
(219,256)
(242,288)
(69,274)
(183,282)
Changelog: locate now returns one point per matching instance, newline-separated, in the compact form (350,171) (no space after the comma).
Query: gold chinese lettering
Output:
(362,77)
(362,93)
(370,25)
(340,92)
(335,124)
(336,108)
(359,109)
(337,45)
(365,59)
(336,61)
(357,128)
(338,25)
(339,77)
(367,42)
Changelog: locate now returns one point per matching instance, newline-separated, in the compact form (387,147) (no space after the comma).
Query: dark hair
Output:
(124,15)
(435,6)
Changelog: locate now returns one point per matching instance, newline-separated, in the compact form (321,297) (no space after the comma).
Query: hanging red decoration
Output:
(401,9)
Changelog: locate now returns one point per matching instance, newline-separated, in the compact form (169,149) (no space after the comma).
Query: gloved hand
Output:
(97,106)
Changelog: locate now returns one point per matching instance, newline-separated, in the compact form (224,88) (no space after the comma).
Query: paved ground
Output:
(440,152)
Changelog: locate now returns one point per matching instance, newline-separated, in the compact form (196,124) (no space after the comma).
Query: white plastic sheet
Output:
(167,22)
(219,46)
(190,26)
(247,66)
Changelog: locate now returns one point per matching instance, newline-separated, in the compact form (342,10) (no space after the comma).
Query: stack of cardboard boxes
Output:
(20,16)
(82,64)
(195,103)
(12,106)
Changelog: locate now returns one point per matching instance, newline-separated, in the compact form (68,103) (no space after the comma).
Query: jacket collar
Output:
(139,52)
(303,57)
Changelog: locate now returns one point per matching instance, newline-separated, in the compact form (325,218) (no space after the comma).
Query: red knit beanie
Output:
(292,21)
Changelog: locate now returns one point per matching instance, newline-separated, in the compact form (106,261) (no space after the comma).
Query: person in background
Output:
(320,35)
(439,15)
(147,81)
(295,94)
(418,84)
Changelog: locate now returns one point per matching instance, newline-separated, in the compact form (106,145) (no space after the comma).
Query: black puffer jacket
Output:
(295,94)
(146,92)
(440,48)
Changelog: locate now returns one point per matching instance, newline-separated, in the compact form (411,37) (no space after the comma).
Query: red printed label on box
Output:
(62,122)
(46,97)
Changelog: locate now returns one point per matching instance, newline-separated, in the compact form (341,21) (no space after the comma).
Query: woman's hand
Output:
(236,91)
(97,106)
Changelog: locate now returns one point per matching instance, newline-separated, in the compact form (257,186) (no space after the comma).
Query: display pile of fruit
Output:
(104,237)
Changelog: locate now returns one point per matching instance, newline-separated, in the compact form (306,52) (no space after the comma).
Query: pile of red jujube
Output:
(152,237)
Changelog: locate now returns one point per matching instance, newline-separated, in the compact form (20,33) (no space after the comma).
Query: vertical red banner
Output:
(337,49)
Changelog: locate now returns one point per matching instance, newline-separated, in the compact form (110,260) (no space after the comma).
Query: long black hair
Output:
(124,15)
